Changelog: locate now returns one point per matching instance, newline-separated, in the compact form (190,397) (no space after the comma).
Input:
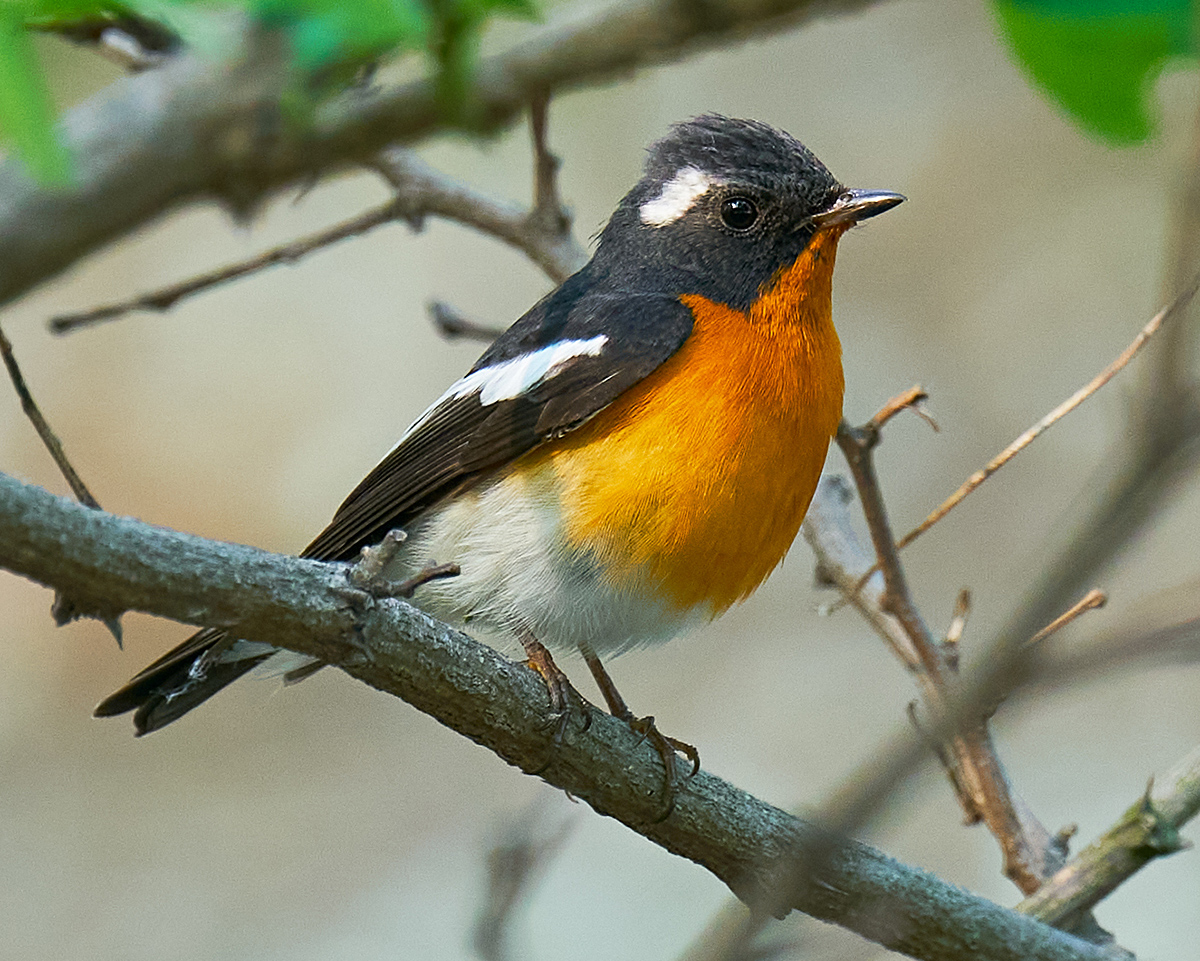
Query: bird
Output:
(630,458)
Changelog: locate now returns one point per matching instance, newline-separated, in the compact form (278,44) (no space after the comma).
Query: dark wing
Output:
(567,359)
(550,372)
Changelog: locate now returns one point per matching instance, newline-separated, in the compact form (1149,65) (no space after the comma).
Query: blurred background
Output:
(331,821)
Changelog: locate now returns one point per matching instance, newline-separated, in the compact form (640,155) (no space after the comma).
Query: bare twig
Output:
(422,191)
(434,572)
(452,325)
(1148,830)
(167,297)
(42,426)
(977,772)
(1090,601)
(912,399)
(1059,412)
(303,605)
(65,608)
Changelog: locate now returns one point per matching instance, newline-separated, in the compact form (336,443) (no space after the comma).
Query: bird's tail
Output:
(184,678)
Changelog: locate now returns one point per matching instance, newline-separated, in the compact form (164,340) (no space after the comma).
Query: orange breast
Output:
(697,479)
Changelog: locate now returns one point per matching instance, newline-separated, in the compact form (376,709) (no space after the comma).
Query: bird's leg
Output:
(667,747)
(539,659)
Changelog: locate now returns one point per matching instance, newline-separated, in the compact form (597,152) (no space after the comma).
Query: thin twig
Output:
(424,191)
(434,572)
(1029,436)
(1093,599)
(65,608)
(1124,491)
(420,192)
(167,297)
(42,426)
(912,399)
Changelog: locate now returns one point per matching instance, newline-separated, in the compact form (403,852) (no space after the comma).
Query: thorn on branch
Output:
(912,399)
(958,623)
(1062,839)
(434,572)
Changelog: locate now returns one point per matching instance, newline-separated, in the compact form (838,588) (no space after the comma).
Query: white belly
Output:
(519,571)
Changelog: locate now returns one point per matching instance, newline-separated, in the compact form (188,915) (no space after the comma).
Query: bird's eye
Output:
(739,213)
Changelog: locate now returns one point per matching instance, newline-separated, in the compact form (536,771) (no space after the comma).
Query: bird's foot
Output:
(561,690)
(668,748)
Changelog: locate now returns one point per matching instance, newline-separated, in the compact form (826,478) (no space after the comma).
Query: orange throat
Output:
(693,484)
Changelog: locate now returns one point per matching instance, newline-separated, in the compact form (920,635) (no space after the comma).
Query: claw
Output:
(668,748)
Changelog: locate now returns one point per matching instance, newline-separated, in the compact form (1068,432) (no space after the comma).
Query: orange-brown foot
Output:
(668,748)
(557,684)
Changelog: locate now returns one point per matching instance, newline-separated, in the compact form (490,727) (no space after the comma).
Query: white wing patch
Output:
(678,196)
(511,378)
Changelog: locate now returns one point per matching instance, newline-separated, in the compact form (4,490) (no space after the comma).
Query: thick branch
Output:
(309,607)
(198,129)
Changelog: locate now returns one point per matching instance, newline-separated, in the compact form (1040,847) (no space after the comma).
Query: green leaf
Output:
(26,114)
(1098,59)
(330,42)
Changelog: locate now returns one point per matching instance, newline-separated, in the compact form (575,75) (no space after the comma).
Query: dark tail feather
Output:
(180,680)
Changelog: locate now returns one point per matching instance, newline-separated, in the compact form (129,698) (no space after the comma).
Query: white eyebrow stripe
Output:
(679,195)
(511,378)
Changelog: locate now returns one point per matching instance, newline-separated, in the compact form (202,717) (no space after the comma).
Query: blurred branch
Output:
(452,325)
(1148,830)
(543,232)
(310,607)
(421,192)
(198,129)
(515,864)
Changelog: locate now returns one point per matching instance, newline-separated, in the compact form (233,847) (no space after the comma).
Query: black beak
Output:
(855,205)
